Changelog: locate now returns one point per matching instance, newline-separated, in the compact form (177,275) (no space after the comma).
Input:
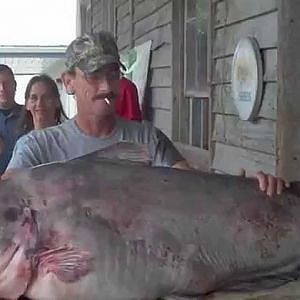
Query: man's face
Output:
(91,90)
(7,89)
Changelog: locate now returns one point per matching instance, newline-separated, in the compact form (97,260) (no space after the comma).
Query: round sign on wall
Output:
(247,78)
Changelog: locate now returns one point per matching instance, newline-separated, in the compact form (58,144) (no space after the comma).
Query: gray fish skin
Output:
(110,229)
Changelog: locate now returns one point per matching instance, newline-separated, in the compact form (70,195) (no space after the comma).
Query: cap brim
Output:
(93,66)
(123,66)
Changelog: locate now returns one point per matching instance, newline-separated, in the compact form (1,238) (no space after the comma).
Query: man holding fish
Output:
(92,76)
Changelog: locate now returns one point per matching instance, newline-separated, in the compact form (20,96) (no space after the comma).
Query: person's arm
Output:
(8,173)
(25,155)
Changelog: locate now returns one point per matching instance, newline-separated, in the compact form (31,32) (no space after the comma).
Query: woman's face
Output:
(42,103)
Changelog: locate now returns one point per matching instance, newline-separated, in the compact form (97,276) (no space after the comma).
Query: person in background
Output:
(43,107)
(10,112)
(127,103)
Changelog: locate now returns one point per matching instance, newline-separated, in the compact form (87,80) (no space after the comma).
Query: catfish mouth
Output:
(15,261)
(15,272)
(7,256)
(29,262)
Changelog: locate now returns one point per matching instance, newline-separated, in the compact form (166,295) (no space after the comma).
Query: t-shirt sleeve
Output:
(163,150)
(25,154)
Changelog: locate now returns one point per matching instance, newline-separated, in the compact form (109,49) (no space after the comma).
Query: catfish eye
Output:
(11,214)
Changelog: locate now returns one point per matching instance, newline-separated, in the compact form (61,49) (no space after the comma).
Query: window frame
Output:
(188,19)
(182,131)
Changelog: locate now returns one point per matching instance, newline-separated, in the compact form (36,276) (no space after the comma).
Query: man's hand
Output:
(183,164)
(8,173)
(270,184)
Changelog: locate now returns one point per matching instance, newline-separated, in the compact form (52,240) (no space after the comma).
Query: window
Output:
(191,34)
(196,12)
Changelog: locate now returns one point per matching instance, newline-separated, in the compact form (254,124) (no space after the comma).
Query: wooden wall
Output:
(240,144)
(102,15)
(138,21)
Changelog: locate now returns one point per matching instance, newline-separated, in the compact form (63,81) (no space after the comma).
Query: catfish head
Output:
(18,239)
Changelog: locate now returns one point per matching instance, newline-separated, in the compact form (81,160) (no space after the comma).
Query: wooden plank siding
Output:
(151,20)
(97,19)
(259,136)
(240,144)
(227,37)
(122,10)
(240,10)
(102,15)
(123,24)
(120,2)
(231,160)
(158,18)
(146,8)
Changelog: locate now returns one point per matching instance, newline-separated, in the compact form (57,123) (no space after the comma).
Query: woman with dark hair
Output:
(43,107)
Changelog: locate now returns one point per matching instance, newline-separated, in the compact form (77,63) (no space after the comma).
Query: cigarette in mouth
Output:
(107,101)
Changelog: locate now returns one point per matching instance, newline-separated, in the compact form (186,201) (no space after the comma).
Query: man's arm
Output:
(25,155)
(8,173)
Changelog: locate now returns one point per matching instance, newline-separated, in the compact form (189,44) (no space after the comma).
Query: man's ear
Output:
(68,78)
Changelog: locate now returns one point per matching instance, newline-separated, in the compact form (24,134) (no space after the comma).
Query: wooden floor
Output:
(290,291)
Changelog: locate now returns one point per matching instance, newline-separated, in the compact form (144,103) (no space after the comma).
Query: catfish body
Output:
(99,228)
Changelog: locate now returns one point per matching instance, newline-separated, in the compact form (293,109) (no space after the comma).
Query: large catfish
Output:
(99,228)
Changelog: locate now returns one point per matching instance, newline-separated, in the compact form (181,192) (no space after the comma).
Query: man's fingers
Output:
(279,187)
(262,180)
(242,173)
(271,185)
(287,184)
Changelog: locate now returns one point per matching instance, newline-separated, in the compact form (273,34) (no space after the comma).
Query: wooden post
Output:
(288,121)
(177,63)
(210,63)
(131,12)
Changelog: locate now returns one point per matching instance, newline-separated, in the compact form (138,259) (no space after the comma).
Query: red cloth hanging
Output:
(127,103)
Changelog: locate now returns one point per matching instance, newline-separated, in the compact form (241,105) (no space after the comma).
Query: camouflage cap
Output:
(91,52)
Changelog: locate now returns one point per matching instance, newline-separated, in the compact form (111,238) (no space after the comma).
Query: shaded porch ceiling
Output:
(30,60)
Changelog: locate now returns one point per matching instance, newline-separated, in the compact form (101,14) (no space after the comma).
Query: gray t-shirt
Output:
(66,141)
